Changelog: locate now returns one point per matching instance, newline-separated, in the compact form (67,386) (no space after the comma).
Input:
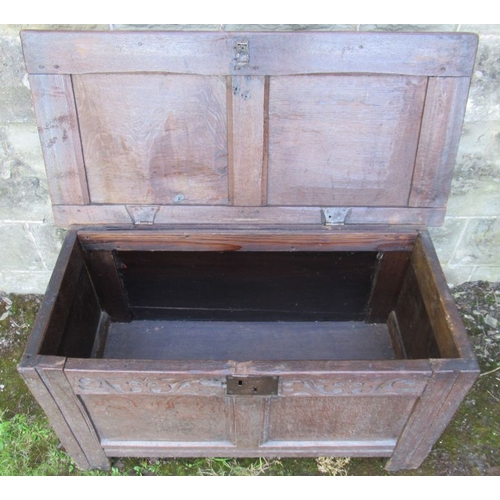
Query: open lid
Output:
(261,128)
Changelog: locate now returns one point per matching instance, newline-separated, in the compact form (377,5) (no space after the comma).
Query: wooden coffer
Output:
(247,270)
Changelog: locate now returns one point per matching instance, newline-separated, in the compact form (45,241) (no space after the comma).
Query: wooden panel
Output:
(343,140)
(107,284)
(30,370)
(387,284)
(265,286)
(51,318)
(60,137)
(417,334)
(322,418)
(75,414)
(440,54)
(67,215)
(248,100)
(271,239)
(439,139)
(442,311)
(154,138)
(222,340)
(159,418)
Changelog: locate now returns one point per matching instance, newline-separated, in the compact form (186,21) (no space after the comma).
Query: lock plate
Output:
(252,386)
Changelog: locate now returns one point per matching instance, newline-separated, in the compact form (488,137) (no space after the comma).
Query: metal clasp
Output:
(142,214)
(241,54)
(334,216)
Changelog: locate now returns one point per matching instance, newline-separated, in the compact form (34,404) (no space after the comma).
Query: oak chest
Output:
(247,270)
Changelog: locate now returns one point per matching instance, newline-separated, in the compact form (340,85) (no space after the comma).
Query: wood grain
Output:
(248,99)
(154,138)
(67,215)
(222,340)
(439,138)
(74,52)
(60,137)
(343,140)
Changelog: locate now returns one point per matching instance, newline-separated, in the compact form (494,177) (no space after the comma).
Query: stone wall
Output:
(467,244)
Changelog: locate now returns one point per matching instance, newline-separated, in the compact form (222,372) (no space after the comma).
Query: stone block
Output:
(13,69)
(487,29)
(479,244)
(486,273)
(16,105)
(484,96)
(24,281)
(456,275)
(446,237)
(14,29)
(48,241)
(23,184)
(408,27)
(18,250)
(476,181)
(169,27)
(289,27)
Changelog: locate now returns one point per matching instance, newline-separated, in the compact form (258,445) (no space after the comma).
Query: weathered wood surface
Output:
(343,140)
(247,139)
(59,132)
(269,53)
(439,138)
(154,138)
(68,215)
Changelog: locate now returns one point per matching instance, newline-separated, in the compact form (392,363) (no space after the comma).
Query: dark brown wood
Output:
(249,341)
(248,286)
(443,313)
(387,284)
(417,335)
(108,285)
(437,54)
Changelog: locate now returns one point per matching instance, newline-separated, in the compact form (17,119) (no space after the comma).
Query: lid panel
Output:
(262,128)
(343,140)
(158,139)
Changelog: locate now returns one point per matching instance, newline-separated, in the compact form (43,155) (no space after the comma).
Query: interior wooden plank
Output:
(343,140)
(77,52)
(248,286)
(220,340)
(247,139)
(439,138)
(59,132)
(154,139)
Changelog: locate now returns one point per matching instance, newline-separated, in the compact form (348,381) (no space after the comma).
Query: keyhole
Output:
(255,389)
(240,382)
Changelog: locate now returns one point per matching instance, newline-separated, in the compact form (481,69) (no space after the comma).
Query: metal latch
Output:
(334,216)
(241,54)
(252,386)
(142,214)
